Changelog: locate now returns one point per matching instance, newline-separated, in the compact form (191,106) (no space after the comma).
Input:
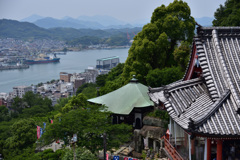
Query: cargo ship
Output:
(42,58)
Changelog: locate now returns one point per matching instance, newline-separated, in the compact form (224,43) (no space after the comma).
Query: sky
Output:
(125,10)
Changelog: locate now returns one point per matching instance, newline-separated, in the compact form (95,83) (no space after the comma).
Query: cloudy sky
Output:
(125,10)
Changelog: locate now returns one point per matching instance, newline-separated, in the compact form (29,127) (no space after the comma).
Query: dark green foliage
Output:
(159,114)
(89,89)
(89,122)
(22,137)
(160,77)
(4,133)
(36,111)
(181,54)
(4,114)
(86,40)
(61,103)
(81,154)
(31,105)
(113,80)
(228,15)
(153,47)
(48,154)
(101,80)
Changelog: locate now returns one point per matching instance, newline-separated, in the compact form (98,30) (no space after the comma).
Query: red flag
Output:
(38,132)
(106,156)
(125,158)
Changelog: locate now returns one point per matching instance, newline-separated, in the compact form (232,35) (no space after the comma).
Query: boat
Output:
(42,58)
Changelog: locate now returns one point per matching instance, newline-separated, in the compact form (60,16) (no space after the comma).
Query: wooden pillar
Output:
(219,149)
(193,146)
(208,149)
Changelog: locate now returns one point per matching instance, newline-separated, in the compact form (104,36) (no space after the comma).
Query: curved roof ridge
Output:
(212,108)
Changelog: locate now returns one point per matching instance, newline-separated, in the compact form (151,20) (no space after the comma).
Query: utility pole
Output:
(104,145)
(74,140)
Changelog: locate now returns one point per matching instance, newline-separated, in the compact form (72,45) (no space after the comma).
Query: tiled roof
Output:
(209,105)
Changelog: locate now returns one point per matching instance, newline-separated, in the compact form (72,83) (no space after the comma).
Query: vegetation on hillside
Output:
(154,46)
(28,31)
(18,133)
(159,53)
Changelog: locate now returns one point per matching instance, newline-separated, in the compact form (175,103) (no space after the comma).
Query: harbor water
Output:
(72,62)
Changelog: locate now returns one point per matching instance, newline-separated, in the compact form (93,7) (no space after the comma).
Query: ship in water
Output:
(42,58)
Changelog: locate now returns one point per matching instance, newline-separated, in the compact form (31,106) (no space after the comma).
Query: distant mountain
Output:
(26,30)
(88,22)
(204,21)
(32,18)
(21,30)
(104,20)
(54,23)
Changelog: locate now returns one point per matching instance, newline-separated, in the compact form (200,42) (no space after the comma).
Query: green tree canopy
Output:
(22,137)
(228,15)
(153,47)
(89,122)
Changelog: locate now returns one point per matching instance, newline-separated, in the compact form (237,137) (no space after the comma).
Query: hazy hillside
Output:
(87,22)
(21,30)
(26,30)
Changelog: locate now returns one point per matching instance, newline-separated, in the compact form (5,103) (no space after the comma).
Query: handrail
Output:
(171,150)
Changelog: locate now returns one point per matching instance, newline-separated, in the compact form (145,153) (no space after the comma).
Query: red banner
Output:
(106,156)
(38,132)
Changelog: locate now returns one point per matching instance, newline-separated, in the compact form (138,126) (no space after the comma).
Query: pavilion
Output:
(128,104)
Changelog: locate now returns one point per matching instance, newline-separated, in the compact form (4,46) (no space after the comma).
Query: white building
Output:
(66,88)
(3,95)
(19,91)
(49,87)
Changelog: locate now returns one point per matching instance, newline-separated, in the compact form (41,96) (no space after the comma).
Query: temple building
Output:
(128,104)
(205,105)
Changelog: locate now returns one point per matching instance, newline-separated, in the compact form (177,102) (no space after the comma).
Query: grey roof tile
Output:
(212,104)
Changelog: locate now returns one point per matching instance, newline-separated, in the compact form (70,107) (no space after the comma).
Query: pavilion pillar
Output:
(208,149)
(219,149)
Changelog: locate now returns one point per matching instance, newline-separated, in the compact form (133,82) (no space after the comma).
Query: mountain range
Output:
(95,22)
(89,22)
(27,30)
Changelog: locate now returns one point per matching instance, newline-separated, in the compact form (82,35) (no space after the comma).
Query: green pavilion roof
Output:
(124,99)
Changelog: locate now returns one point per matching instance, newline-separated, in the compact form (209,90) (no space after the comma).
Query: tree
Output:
(89,122)
(228,15)
(181,54)
(22,138)
(153,47)
(160,77)
(113,80)
(86,85)
(17,105)
(101,80)
(4,114)
(81,154)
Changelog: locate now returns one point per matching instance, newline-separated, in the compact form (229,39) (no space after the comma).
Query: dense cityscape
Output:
(13,52)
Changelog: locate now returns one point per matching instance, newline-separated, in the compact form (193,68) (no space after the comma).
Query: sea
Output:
(72,62)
